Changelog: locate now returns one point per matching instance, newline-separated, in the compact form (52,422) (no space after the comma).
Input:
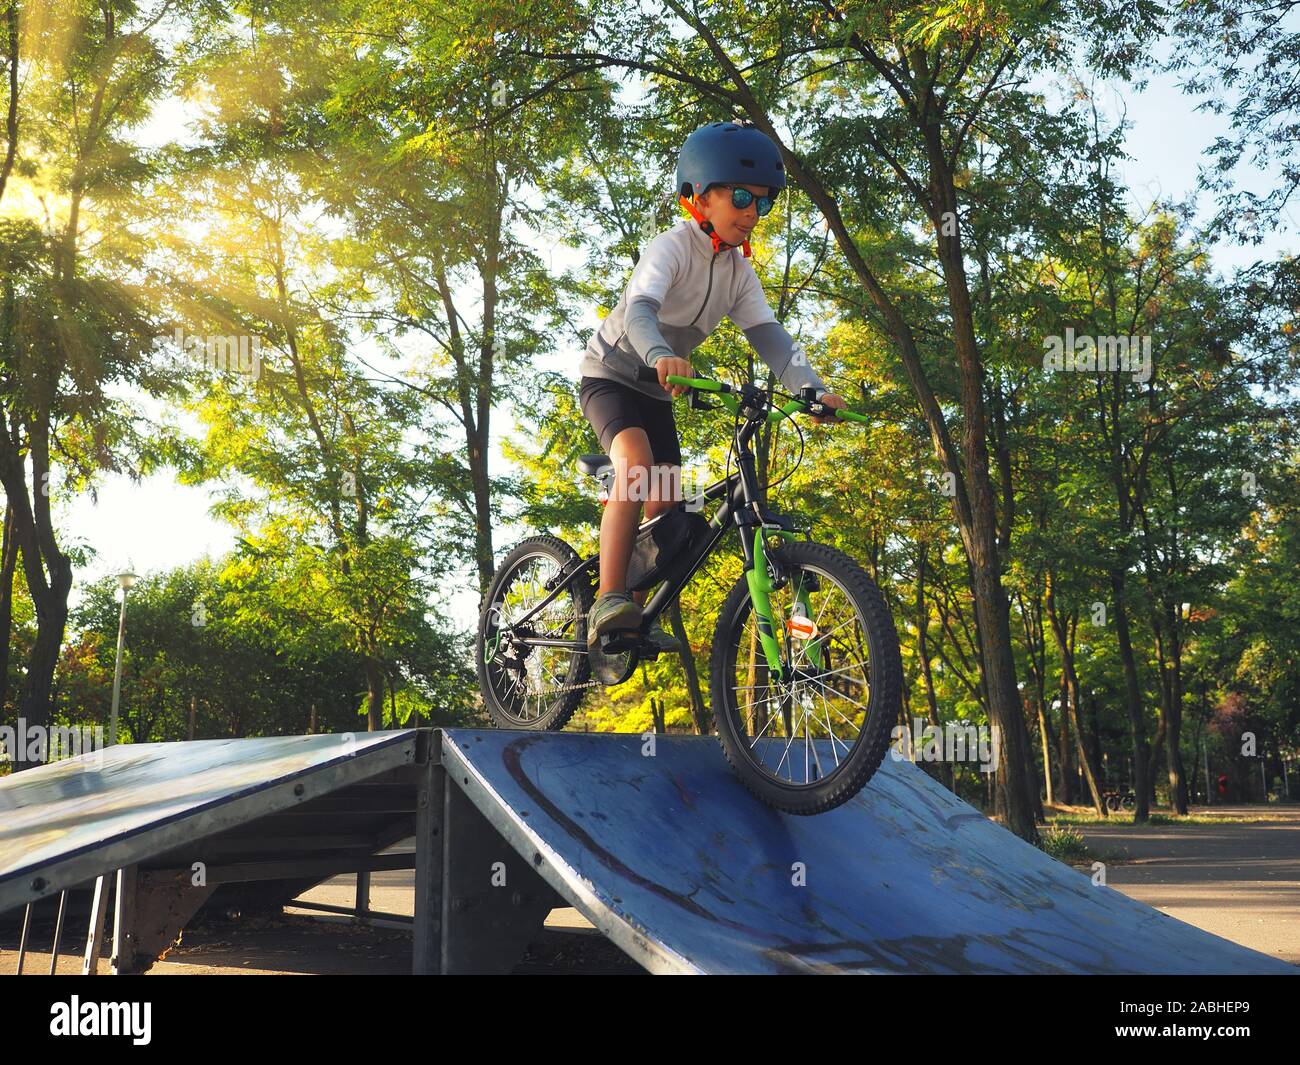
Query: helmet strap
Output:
(707,226)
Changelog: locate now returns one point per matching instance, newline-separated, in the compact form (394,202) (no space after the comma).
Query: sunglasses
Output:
(742,198)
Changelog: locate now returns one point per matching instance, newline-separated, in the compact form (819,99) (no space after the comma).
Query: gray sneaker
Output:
(662,641)
(610,612)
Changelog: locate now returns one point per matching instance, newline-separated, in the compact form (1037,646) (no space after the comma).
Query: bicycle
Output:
(804,643)
(1119,800)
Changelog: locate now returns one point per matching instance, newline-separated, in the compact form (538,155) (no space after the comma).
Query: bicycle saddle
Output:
(593,464)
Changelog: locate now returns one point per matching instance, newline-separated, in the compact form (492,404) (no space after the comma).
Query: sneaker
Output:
(611,611)
(662,641)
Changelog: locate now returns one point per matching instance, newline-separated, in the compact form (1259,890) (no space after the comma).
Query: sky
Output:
(157,524)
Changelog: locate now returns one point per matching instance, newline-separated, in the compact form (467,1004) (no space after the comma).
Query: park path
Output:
(1239,881)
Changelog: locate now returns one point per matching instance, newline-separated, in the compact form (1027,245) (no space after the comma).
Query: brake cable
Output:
(790,417)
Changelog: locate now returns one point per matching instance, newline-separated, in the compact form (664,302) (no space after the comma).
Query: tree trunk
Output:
(923,654)
(478,470)
(1132,698)
(1070,705)
(1090,771)
(1094,737)
(11,111)
(8,562)
(48,573)
(1045,740)
(1178,797)
(1036,655)
(972,498)
(1030,768)
(374,694)
(1157,747)
(1065,760)
(992,610)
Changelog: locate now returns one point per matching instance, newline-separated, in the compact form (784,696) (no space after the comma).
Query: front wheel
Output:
(809,741)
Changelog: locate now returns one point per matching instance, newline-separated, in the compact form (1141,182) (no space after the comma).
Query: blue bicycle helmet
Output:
(729,153)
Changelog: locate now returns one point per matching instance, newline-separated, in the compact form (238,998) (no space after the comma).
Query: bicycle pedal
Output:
(616,643)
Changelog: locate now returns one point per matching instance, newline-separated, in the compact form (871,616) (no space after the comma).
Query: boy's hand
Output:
(673,365)
(829,399)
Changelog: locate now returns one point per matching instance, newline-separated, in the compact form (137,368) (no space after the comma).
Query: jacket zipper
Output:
(707,292)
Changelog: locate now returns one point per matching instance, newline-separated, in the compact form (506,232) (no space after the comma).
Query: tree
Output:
(75,316)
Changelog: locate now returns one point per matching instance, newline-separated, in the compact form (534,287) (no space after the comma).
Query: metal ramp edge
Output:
(567,884)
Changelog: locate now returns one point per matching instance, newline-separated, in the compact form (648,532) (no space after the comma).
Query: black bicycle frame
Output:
(743,507)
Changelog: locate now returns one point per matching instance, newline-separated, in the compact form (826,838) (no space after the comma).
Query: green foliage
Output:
(1065,845)
(416,208)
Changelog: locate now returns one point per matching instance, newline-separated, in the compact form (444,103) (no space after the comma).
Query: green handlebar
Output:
(704,384)
(795,406)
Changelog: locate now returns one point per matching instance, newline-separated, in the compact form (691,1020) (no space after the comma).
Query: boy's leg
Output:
(646,457)
(665,491)
(630,454)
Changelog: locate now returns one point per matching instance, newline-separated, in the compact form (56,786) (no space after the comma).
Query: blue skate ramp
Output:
(67,822)
(670,857)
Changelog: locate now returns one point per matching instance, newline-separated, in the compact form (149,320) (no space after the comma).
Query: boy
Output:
(685,282)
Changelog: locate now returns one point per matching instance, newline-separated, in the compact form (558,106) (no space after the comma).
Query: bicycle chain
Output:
(567,688)
(563,688)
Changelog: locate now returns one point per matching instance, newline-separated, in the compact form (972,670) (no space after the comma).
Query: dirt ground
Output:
(1238,880)
(302,945)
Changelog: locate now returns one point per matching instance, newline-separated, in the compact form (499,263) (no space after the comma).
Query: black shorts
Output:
(612,407)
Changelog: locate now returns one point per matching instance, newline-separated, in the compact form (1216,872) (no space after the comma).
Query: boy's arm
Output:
(651,278)
(641,322)
(776,347)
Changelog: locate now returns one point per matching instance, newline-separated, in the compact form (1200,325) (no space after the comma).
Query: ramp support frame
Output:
(478,902)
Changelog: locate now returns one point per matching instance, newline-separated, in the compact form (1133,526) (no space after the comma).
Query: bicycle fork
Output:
(759,580)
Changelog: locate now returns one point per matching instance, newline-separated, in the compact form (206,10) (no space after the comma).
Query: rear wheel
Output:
(528,687)
(809,741)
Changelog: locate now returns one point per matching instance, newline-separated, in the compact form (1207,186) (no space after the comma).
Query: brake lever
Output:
(808,397)
(698,402)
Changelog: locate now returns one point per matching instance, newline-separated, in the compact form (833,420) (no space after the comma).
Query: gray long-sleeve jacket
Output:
(678,293)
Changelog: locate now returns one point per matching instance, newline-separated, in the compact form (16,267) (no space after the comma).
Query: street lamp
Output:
(127,580)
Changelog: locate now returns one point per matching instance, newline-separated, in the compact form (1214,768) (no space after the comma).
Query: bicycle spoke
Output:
(830,731)
(811,705)
(770,719)
(532,676)
(827,687)
(834,672)
(817,760)
(842,696)
(789,740)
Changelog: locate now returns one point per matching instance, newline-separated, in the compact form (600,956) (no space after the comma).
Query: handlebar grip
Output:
(647,373)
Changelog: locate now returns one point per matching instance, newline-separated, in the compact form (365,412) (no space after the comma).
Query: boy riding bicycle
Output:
(728,176)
